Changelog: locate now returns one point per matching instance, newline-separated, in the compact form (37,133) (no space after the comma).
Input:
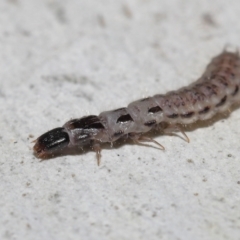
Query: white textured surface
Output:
(65,59)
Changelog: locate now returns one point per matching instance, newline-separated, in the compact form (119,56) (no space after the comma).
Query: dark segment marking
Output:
(222,80)
(174,115)
(228,70)
(117,134)
(235,91)
(150,123)
(187,115)
(223,100)
(96,125)
(232,75)
(224,70)
(205,110)
(89,122)
(212,89)
(196,95)
(154,109)
(124,118)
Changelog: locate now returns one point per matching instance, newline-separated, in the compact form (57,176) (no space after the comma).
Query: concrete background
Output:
(66,59)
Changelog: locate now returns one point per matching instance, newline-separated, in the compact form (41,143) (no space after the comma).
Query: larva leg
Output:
(138,139)
(170,129)
(97,149)
(147,139)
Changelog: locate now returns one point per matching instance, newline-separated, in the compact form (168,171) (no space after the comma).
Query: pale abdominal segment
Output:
(214,92)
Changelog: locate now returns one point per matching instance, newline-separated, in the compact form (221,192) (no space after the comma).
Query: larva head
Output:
(50,142)
(84,130)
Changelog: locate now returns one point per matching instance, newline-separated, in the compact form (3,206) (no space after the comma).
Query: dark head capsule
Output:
(50,142)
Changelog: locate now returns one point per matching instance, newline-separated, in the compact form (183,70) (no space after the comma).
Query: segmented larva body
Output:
(214,92)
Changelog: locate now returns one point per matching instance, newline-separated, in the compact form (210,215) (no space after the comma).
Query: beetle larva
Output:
(214,92)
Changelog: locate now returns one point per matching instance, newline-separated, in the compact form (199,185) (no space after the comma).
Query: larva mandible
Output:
(213,92)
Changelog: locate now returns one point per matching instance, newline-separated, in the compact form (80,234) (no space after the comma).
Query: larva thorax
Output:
(215,91)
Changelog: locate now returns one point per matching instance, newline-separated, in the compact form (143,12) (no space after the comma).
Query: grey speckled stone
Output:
(65,59)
